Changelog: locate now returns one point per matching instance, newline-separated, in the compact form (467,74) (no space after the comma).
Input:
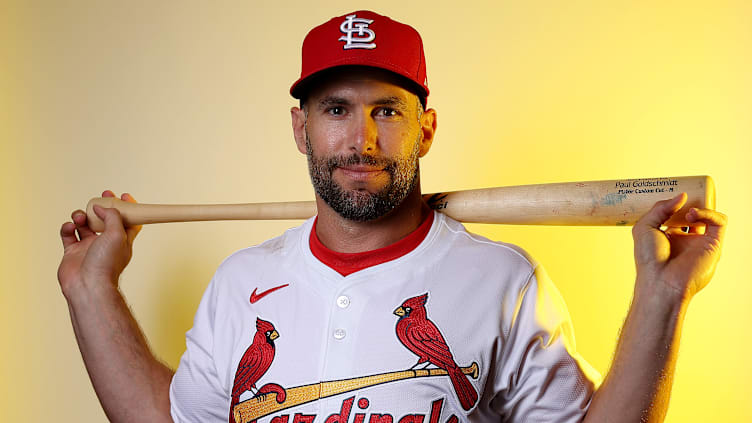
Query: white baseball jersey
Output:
(458,329)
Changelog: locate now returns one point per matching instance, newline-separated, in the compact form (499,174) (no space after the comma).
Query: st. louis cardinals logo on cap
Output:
(357,33)
(352,39)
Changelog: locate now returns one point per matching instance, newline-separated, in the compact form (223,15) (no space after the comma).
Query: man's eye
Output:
(336,110)
(386,111)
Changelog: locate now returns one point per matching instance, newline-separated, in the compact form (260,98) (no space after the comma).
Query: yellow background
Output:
(187,102)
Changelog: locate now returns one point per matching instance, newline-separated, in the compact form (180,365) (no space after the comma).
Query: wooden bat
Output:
(263,405)
(605,203)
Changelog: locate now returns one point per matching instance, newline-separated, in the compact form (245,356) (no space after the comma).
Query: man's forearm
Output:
(638,385)
(131,384)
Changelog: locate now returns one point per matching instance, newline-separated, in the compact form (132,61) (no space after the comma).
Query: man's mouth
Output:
(361,172)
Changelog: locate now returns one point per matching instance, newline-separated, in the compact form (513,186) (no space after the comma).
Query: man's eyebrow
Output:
(394,101)
(331,100)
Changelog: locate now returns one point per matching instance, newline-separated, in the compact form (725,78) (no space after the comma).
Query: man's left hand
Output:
(682,261)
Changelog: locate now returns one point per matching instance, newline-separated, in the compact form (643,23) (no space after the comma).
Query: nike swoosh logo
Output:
(255,297)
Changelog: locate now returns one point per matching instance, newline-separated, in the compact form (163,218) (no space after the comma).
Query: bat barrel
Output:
(596,203)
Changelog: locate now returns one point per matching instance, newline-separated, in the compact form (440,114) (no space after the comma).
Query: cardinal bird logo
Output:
(255,362)
(421,336)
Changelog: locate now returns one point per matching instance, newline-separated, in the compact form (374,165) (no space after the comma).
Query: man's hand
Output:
(672,266)
(90,257)
(131,383)
(682,261)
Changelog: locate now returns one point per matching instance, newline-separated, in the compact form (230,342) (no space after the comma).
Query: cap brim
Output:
(302,85)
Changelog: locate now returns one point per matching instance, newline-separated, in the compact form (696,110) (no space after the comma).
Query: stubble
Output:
(359,204)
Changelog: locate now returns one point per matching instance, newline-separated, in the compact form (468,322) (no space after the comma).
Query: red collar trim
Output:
(347,263)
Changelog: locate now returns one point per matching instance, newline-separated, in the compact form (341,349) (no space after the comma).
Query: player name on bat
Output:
(592,203)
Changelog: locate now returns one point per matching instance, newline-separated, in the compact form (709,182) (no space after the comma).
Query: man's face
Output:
(363,138)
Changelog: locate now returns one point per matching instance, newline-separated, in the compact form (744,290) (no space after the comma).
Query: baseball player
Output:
(379,310)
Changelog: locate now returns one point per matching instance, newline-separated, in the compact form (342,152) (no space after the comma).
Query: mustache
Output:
(356,159)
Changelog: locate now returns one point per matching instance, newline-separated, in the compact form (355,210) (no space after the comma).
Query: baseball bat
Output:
(617,202)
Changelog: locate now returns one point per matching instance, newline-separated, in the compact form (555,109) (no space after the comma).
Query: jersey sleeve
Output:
(196,394)
(544,378)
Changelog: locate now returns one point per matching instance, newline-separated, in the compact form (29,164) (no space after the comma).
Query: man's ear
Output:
(298,128)
(428,130)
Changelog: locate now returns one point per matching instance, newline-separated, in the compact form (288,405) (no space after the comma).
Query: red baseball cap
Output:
(363,38)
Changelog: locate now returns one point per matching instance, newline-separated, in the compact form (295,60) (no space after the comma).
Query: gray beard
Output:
(361,205)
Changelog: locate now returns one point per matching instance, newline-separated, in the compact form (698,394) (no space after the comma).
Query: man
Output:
(380,309)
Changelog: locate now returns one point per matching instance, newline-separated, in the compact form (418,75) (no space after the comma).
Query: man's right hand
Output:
(89,257)
(131,383)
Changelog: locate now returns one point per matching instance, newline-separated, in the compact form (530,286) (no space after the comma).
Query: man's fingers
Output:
(68,234)
(108,193)
(697,229)
(675,231)
(131,231)
(79,219)
(715,222)
(661,212)
(113,222)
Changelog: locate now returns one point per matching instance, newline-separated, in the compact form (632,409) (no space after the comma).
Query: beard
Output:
(359,204)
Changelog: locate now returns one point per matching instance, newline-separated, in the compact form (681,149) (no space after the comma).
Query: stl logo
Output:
(357,33)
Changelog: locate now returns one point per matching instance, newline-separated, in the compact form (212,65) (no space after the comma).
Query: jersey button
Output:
(339,334)
(343,301)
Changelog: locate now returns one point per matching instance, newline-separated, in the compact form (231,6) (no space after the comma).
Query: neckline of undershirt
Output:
(348,263)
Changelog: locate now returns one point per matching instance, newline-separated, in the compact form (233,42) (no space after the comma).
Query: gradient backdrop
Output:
(187,102)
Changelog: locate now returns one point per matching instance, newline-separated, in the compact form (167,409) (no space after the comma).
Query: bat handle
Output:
(127,212)
(140,214)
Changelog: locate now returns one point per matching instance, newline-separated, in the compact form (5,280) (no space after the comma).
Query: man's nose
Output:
(365,136)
